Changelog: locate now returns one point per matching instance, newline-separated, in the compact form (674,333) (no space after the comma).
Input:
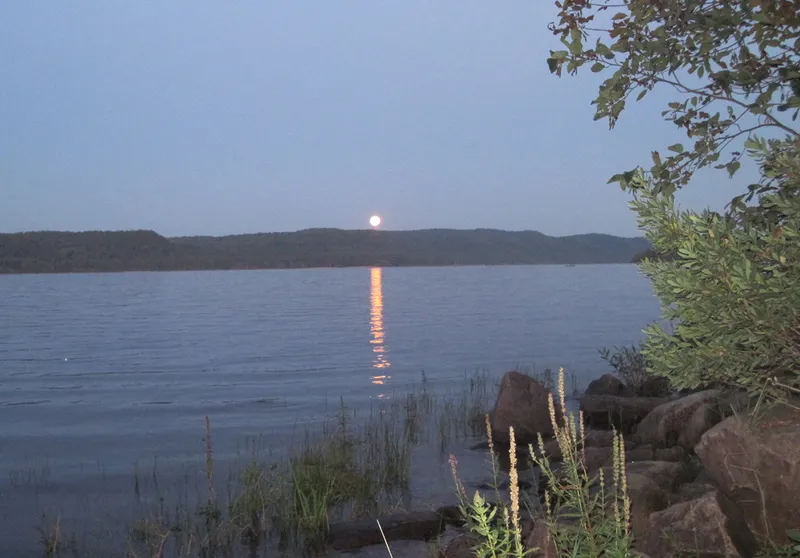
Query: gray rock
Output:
(350,535)
(622,413)
(757,467)
(675,422)
(698,528)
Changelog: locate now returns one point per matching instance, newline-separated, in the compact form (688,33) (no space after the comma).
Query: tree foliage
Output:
(733,292)
(732,289)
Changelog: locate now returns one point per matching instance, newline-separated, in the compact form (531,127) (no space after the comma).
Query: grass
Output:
(350,468)
(346,469)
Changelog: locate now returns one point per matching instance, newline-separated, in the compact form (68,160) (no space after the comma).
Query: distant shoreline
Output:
(128,251)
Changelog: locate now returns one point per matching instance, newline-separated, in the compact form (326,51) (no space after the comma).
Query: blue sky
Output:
(201,117)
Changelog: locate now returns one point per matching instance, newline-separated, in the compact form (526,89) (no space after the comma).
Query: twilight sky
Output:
(205,117)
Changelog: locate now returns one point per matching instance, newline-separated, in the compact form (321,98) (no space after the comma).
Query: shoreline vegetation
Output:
(346,469)
(143,250)
(625,475)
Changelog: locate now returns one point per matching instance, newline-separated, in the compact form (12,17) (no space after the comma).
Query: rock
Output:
(608,384)
(451,515)
(691,491)
(541,539)
(701,421)
(462,546)
(612,411)
(697,528)
(598,438)
(675,423)
(757,467)
(596,458)
(639,453)
(667,476)
(654,386)
(592,439)
(350,535)
(645,495)
(551,449)
(703,477)
(522,403)
(646,498)
(675,454)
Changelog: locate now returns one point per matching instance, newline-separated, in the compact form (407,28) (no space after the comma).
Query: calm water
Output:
(103,373)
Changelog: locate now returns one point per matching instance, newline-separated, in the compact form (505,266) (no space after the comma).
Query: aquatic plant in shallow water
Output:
(348,470)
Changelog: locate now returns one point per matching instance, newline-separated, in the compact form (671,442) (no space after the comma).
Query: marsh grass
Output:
(347,468)
(586,517)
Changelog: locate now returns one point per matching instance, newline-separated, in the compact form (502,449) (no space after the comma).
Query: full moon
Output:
(375,220)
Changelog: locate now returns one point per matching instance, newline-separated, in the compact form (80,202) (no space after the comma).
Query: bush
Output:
(734,291)
(629,363)
(601,508)
(733,68)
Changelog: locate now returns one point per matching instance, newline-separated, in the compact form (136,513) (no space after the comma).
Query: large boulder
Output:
(613,411)
(462,546)
(697,528)
(680,422)
(542,541)
(667,475)
(608,384)
(757,467)
(522,403)
(646,497)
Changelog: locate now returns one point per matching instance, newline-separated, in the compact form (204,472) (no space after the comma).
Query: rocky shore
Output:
(706,475)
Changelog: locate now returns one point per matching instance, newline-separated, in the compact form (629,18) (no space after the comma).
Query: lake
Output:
(104,374)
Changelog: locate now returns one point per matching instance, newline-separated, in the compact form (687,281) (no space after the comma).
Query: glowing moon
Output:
(375,220)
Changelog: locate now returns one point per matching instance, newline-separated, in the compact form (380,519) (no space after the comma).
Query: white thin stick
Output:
(389,550)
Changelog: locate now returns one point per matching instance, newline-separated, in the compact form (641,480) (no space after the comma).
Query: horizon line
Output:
(313,229)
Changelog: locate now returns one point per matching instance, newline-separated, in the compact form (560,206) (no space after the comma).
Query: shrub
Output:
(602,509)
(734,292)
(629,364)
(733,287)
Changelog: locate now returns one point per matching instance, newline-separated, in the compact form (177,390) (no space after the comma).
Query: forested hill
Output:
(43,252)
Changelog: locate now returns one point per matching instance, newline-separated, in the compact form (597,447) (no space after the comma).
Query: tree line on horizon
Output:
(98,251)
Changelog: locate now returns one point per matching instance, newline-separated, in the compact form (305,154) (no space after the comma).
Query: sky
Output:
(204,117)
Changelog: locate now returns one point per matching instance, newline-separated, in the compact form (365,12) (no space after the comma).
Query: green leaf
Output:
(676,147)
(552,65)
(603,50)
(656,158)
(793,534)
(598,67)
